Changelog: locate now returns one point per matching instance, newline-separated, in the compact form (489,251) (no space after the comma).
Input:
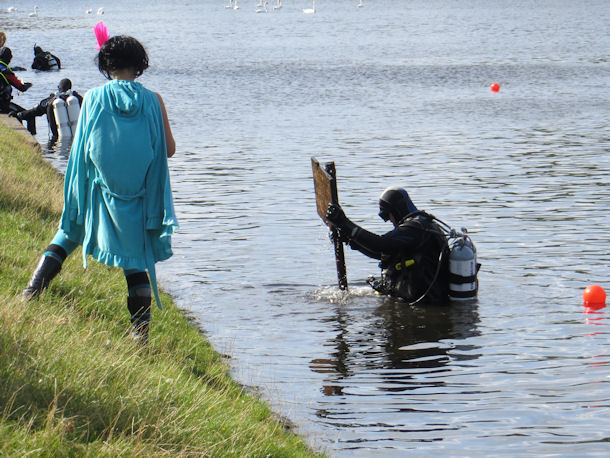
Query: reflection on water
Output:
(410,341)
(394,338)
(57,152)
(595,315)
(385,357)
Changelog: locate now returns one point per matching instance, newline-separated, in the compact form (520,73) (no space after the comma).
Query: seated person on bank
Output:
(45,106)
(44,60)
(410,254)
(8,81)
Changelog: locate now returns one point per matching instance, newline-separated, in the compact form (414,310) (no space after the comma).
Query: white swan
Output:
(310,10)
(360,4)
(235,7)
(264,8)
(11,9)
(230,4)
(100,11)
(278,5)
(35,13)
(89,11)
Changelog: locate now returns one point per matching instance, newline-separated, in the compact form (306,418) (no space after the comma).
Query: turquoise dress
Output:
(117,195)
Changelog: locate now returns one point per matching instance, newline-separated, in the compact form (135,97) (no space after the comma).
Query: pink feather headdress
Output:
(101,33)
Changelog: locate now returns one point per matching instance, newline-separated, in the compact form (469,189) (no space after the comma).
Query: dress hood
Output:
(124,97)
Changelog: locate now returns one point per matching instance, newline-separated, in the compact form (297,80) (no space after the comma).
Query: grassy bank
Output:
(71,384)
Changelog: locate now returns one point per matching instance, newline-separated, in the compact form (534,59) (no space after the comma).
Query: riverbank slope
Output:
(71,383)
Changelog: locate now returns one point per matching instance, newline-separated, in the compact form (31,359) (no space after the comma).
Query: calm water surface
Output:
(395,92)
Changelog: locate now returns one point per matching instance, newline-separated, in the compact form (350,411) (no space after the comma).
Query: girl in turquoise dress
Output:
(117,195)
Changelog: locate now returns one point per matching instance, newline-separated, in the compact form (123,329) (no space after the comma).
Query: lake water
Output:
(394,92)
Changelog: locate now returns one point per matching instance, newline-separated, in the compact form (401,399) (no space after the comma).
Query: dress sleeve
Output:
(76,179)
(160,215)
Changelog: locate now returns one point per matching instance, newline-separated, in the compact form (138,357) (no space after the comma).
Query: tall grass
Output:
(72,385)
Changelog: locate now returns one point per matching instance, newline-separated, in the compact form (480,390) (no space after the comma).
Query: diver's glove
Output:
(26,86)
(337,236)
(336,216)
(16,114)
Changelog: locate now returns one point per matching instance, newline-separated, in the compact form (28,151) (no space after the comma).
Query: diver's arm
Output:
(16,82)
(376,246)
(369,244)
(364,250)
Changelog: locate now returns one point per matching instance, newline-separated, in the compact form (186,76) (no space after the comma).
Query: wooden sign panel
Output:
(325,186)
(322,183)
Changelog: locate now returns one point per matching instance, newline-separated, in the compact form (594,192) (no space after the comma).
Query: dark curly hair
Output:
(121,52)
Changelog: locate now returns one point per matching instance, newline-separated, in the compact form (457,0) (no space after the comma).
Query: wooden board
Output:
(322,183)
(325,187)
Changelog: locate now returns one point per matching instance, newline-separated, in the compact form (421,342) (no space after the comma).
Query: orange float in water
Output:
(594,296)
(495,87)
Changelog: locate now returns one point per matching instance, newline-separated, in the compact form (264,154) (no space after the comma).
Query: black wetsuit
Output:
(410,256)
(44,60)
(8,80)
(45,106)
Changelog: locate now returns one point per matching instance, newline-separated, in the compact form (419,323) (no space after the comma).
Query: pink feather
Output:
(101,33)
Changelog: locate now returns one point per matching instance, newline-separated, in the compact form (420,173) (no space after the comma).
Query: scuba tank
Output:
(52,63)
(60,110)
(457,268)
(73,107)
(463,267)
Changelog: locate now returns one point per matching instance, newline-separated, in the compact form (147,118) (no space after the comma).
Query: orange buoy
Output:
(594,296)
(495,87)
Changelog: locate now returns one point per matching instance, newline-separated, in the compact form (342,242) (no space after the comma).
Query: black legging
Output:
(11,107)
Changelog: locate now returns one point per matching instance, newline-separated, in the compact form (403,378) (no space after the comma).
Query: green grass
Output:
(72,385)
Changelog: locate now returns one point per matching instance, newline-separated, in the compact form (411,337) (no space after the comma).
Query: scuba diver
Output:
(414,256)
(44,60)
(62,109)
(8,80)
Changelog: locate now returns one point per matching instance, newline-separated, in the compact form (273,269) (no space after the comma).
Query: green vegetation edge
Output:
(72,384)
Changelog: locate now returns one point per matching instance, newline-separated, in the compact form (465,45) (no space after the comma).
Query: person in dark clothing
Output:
(8,81)
(413,256)
(45,106)
(44,60)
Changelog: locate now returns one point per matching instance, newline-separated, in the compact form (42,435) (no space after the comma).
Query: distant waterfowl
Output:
(100,11)
(35,13)
(278,5)
(310,10)
(89,11)
(360,4)
(230,4)
(11,9)
(262,7)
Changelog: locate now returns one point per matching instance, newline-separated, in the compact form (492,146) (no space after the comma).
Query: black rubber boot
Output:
(139,308)
(47,270)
